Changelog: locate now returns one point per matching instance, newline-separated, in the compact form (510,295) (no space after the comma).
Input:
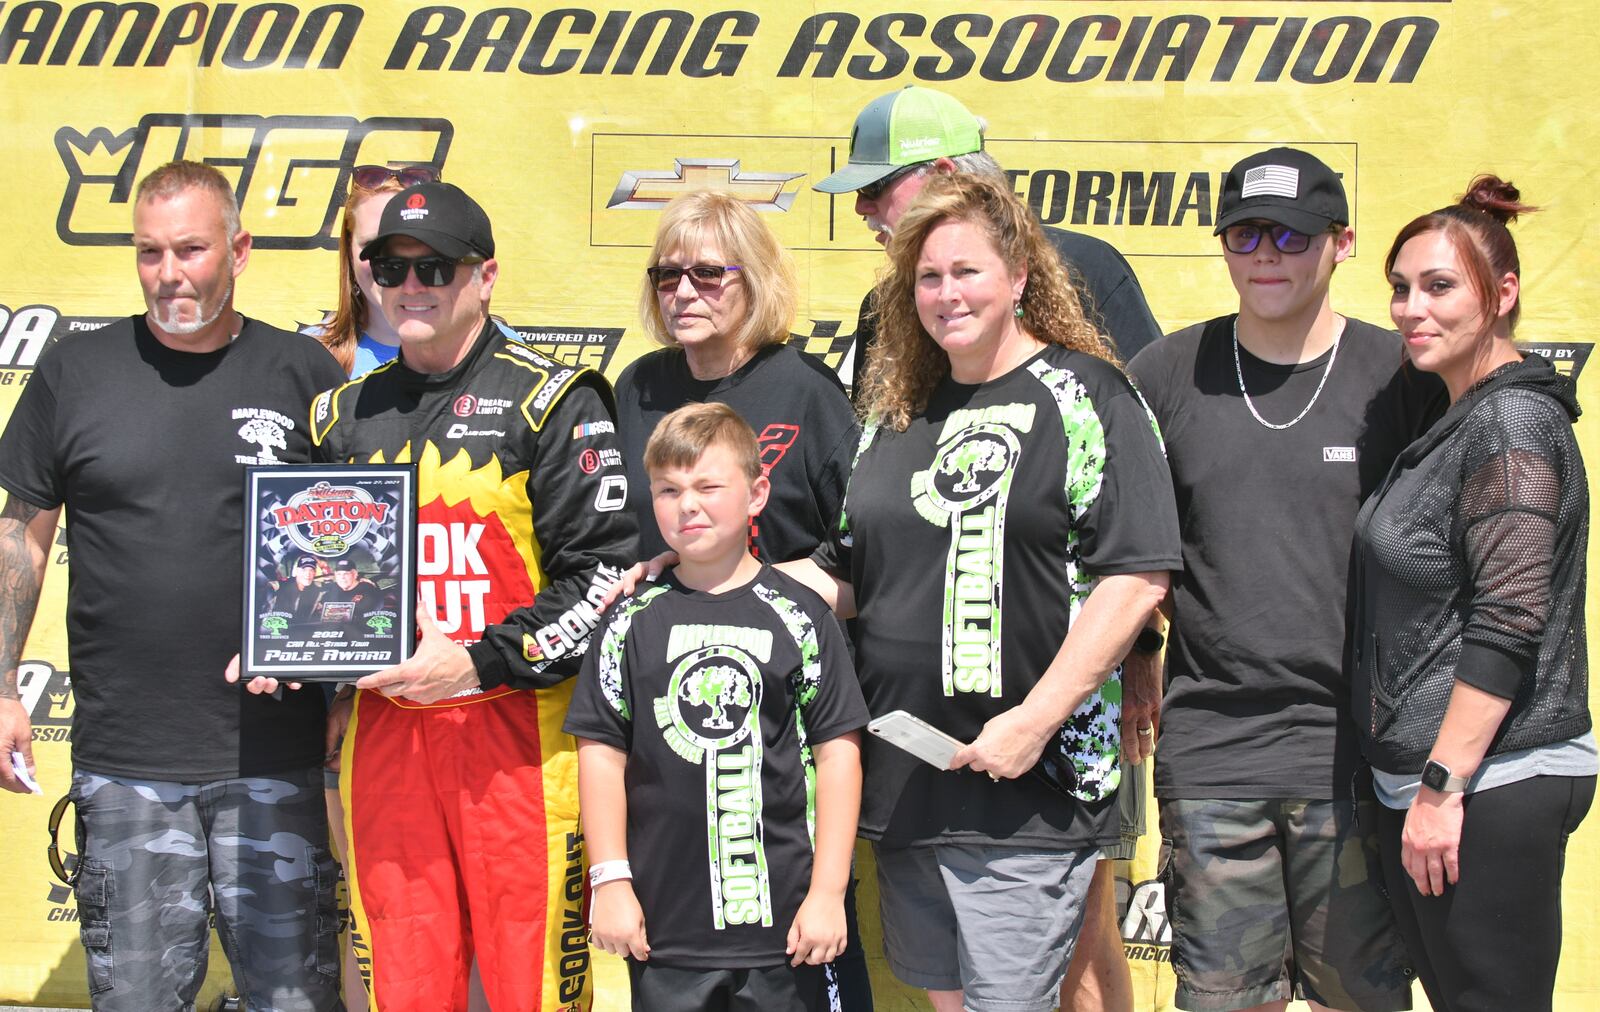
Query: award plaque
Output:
(330,570)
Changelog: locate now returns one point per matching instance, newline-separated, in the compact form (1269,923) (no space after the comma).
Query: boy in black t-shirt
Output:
(747,711)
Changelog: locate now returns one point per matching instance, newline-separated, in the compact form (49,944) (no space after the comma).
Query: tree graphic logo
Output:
(717,686)
(971,468)
(713,696)
(266,434)
(972,458)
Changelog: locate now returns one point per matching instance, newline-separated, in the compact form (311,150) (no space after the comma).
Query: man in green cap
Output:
(898,142)
(900,139)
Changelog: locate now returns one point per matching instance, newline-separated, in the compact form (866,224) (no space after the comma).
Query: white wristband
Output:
(609,871)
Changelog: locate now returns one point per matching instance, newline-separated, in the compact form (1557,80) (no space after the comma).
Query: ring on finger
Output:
(1147,731)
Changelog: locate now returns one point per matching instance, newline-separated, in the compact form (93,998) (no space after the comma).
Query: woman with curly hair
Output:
(1467,644)
(1008,525)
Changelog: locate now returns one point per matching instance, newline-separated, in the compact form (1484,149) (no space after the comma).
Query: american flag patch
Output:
(1271,181)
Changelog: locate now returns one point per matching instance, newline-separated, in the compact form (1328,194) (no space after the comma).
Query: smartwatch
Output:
(1149,641)
(1436,777)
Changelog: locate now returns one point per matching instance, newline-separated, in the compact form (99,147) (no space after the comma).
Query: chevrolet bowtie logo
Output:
(646,190)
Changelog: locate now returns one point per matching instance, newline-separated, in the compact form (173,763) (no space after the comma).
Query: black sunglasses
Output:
(705,277)
(370,177)
(872,191)
(434,271)
(1245,238)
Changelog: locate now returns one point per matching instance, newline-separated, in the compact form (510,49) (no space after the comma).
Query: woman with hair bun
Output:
(1467,648)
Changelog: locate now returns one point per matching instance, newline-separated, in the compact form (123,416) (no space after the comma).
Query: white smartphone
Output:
(916,736)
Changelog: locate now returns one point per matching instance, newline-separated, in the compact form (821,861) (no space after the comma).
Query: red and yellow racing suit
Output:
(462,815)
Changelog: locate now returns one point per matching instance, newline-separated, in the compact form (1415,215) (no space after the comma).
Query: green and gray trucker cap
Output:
(905,127)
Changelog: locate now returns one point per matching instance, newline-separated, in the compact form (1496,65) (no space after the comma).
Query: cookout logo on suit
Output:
(966,490)
(711,716)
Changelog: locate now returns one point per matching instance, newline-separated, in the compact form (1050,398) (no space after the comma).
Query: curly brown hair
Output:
(904,364)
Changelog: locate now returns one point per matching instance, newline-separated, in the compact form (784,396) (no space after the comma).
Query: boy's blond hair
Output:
(684,435)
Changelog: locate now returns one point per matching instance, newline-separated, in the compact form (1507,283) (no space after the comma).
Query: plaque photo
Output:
(330,570)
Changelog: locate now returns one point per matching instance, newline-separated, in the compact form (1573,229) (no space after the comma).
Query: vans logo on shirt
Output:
(1338,455)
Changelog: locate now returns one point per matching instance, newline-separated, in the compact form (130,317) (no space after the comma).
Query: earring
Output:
(1016,310)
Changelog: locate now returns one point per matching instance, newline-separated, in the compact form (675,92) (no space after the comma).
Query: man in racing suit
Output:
(460,787)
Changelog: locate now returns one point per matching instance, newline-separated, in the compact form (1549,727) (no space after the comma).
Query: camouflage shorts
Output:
(159,858)
(1280,899)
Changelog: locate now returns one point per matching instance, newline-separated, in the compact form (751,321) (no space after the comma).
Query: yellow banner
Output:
(574,124)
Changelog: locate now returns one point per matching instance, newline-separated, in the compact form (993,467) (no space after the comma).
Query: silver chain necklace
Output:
(1238,370)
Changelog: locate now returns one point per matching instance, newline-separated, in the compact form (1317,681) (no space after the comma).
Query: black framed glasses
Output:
(872,191)
(704,277)
(370,177)
(434,271)
(1245,238)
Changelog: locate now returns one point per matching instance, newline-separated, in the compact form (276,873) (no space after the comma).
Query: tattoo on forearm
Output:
(19,589)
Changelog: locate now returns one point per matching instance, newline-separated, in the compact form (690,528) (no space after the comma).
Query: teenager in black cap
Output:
(1278,420)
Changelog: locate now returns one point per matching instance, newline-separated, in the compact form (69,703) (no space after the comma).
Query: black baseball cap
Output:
(1285,186)
(439,214)
(304,562)
(344,566)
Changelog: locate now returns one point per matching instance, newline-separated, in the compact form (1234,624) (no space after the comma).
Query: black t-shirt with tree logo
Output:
(146,447)
(718,700)
(972,540)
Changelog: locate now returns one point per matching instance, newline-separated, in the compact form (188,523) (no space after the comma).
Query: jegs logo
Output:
(291,173)
(590,347)
(1568,357)
(326,519)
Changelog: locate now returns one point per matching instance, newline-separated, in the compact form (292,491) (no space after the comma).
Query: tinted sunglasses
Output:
(1245,238)
(872,191)
(370,177)
(433,271)
(705,277)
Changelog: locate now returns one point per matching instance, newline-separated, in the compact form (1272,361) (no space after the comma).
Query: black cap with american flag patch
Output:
(1286,187)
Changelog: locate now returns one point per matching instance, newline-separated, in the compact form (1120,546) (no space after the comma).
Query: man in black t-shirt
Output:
(1278,421)
(194,795)
(898,142)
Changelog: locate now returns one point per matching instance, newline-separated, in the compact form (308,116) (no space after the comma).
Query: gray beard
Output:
(197,324)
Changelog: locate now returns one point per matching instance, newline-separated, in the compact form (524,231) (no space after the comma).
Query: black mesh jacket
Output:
(1469,564)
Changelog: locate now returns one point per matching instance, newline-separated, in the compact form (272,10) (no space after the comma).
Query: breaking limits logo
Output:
(290,173)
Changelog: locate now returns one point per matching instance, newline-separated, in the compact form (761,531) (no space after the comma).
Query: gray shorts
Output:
(1280,899)
(1130,813)
(996,922)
